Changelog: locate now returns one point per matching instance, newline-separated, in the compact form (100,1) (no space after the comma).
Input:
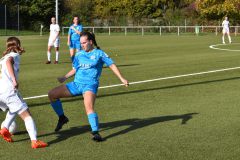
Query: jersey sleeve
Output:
(58,28)
(70,31)
(80,28)
(106,59)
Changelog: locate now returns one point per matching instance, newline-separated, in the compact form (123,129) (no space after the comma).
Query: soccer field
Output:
(187,117)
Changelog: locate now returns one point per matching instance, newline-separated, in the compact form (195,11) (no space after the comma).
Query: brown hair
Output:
(13,44)
(91,36)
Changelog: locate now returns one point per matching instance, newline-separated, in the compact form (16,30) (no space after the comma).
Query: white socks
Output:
(10,117)
(49,56)
(57,55)
(31,128)
(229,38)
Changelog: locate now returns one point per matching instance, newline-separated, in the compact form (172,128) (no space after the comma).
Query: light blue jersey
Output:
(89,66)
(73,35)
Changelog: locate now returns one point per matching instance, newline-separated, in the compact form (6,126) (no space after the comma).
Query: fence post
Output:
(197,30)
(216,31)
(93,30)
(142,31)
(236,30)
(160,30)
(178,31)
(109,31)
(125,31)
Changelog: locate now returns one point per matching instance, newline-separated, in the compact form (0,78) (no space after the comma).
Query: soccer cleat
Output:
(223,42)
(38,144)
(55,62)
(61,121)
(48,62)
(7,136)
(96,137)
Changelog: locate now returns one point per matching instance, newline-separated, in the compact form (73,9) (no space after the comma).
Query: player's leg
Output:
(223,34)
(57,55)
(24,113)
(56,45)
(10,117)
(229,37)
(49,54)
(89,100)
(54,96)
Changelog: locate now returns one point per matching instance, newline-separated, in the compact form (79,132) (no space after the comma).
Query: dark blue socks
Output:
(57,106)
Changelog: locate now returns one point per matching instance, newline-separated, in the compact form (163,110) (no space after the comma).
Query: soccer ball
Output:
(13,127)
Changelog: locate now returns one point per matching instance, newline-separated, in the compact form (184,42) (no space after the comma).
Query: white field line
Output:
(152,80)
(215,46)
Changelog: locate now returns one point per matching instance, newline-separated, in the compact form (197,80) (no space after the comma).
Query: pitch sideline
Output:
(152,80)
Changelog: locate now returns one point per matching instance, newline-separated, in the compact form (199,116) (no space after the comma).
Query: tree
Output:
(217,9)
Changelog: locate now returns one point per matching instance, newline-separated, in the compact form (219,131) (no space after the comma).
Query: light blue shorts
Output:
(75,45)
(79,89)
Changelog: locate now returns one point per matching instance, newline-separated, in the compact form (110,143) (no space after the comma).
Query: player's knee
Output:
(51,95)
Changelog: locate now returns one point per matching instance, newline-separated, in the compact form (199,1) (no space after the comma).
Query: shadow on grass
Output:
(133,124)
(136,91)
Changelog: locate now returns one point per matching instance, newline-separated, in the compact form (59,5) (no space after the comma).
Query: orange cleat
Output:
(7,136)
(38,144)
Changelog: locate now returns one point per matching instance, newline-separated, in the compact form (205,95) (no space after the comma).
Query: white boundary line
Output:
(215,46)
(157,79)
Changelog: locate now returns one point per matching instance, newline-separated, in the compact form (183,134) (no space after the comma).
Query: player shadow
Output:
(131,124)
(32,104)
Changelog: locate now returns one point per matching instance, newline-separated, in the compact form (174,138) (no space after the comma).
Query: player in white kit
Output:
(53,40)
(10,98)
(225,25)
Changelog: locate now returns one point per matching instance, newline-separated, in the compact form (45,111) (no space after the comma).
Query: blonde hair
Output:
(13,44)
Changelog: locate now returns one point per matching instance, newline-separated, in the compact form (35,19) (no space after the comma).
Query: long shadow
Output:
(131,124)
(138,91)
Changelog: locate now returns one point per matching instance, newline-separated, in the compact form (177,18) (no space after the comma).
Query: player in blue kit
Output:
(74,37)
(88,64)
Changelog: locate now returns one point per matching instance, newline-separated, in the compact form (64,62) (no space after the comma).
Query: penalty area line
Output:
(152,80)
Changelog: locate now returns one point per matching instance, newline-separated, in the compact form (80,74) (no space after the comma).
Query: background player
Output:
(9,95)
(87,69)
(74,37)
(225,25)
(53,40)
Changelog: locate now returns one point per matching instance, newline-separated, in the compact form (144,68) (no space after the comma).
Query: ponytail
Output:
(13,45)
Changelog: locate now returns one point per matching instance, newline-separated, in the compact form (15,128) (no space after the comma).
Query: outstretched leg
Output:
(54,96)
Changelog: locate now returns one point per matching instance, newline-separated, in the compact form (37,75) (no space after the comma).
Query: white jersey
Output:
(9,97)
(225,24)
(6,82)
(54,31)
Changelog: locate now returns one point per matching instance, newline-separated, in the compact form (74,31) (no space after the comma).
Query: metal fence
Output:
(157,30)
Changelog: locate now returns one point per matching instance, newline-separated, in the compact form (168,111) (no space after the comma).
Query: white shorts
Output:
(225,30)
(55,43)
(13,101)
